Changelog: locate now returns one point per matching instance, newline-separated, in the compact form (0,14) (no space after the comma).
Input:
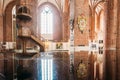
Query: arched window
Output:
(47,23)
(14,23)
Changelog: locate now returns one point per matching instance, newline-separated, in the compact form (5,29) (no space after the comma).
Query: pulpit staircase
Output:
(37,39)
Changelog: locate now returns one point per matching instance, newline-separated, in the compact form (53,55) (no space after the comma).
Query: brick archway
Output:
(7,26)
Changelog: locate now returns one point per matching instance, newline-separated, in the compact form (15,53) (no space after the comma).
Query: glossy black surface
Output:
(45,66)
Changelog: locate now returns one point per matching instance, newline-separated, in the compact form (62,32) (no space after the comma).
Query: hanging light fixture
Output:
(24,13)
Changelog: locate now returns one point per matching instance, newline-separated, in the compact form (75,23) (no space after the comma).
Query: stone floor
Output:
(45,66)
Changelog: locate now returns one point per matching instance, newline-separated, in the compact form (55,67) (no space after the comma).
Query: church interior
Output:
(59,39)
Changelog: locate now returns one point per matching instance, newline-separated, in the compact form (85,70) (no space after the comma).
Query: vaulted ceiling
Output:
(3,4)
(60,4)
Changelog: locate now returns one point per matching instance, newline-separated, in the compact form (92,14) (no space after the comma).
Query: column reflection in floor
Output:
(53,66)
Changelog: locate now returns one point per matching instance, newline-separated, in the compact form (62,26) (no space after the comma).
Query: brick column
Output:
(118,43)
(111,40)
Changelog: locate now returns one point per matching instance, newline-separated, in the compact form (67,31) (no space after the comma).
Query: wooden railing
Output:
(36,38)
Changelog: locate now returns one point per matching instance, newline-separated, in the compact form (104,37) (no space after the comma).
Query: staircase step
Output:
(36,39)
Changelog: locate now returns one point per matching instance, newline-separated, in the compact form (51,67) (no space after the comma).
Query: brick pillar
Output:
(1,28)
(118,43)
(111,40)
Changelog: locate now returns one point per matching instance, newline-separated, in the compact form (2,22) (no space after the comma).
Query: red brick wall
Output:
(110,65)
(111,71)
(118,43)
(81,7)
(1,28)
(8,22)
(65,21)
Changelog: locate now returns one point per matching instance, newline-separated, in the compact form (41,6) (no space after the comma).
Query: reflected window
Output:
(47,69)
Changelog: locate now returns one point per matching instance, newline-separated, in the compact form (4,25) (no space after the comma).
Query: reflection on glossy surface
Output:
(53,66)
(48,66)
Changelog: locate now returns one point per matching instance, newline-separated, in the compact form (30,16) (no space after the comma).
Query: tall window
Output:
(14,23)
(47,23)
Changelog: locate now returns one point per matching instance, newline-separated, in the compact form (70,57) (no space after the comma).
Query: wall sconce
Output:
(81,22)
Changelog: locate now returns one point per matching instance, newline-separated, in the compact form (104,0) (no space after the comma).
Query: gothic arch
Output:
(100,18)
(7,27)
(57,19)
